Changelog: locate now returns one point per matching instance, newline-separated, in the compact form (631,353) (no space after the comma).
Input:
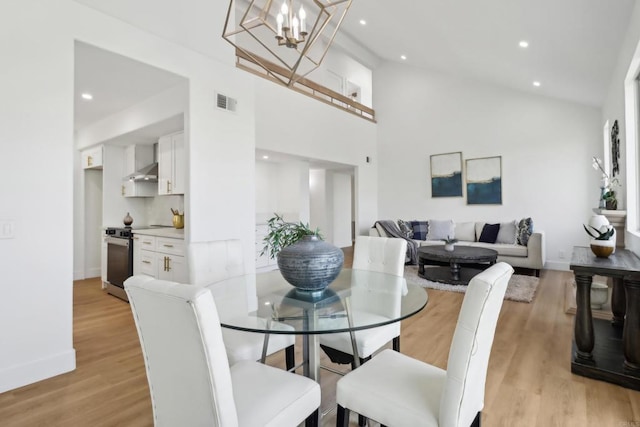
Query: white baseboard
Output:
(90,273)
(37,370)
(557,265)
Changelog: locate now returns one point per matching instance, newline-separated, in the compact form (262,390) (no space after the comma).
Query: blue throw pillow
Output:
(420,229)
(489,233)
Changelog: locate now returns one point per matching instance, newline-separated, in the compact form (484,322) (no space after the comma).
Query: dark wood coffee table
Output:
(473,259)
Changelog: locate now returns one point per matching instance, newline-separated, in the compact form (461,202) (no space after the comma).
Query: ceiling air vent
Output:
(225,103)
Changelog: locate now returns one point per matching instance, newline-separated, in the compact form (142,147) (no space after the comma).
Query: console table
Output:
(608,350)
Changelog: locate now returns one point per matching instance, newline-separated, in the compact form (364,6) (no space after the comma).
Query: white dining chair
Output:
(190,380)
(396,390)
(379,254)
(214,261)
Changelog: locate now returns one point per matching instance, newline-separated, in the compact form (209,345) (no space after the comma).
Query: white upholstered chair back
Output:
(211,262)
(381,254)
(185,358)
(463,394)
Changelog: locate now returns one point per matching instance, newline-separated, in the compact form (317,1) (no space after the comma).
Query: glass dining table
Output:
(356,300)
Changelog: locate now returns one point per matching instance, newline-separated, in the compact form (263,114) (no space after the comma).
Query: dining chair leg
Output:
(312,420)
(476,421)
(342,417)
(290,357)
(396,343)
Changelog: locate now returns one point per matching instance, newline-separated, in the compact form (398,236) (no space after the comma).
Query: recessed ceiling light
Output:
(265,157)
(87,96)
(403,57)
(363,22)
(536,83)
(523,43)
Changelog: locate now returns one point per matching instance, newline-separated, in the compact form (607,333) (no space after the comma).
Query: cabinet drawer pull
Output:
(146,243)
(89,161)
(168,264)
(146,262)
(123,190)
(167,246)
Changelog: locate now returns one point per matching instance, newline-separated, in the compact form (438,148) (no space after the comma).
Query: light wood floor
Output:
(529,381)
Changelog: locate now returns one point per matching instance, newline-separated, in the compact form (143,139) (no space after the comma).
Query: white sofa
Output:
(531,256)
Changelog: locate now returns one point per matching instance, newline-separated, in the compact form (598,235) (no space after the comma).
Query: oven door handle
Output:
(117,241)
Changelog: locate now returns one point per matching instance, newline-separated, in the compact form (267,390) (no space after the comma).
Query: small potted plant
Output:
(449,243)
(602,243)
(304,259)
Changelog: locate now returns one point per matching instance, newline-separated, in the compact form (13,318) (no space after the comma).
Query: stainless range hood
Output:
(143,155)
(148,173)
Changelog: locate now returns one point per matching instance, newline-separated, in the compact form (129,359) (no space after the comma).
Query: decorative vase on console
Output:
(608,198)
(603,242)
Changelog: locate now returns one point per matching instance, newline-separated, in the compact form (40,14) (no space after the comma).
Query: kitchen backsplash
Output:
(159,209)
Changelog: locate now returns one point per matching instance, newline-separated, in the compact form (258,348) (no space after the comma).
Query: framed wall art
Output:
(484,181)
(446,175)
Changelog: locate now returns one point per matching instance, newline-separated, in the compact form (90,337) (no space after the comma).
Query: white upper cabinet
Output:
(171,164)
(92,158)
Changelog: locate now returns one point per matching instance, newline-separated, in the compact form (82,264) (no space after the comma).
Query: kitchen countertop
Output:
(162,232)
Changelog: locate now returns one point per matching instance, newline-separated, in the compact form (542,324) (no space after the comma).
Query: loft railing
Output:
(305,86)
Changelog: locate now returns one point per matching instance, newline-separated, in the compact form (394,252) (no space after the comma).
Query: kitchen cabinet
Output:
(92,158)
(171,164)
(160,257)
(135,158)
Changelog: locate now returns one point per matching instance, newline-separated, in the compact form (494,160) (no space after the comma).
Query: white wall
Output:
(36,132)
(291,123)
(318,192)
(282,188)
(93,228)
(546,148)
(341,209)
(614,109)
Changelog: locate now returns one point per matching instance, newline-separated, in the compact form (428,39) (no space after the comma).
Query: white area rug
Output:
(521,288)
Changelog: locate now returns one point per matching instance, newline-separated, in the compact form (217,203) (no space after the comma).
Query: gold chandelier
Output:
(286,38)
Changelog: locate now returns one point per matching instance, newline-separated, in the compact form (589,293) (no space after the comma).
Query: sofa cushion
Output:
(525,229)
(466,231)
(420,229)
(507,233)
(405,229)
(489,233)
(440,229)
(504,250)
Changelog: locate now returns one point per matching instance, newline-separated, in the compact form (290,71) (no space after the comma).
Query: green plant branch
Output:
(282,234)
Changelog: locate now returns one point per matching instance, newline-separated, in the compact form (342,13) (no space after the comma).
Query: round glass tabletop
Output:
(357,299)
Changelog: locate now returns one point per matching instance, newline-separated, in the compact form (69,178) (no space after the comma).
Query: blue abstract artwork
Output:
(484,181)
(446,175)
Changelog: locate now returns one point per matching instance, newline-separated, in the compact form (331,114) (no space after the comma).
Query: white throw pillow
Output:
(439,229)
(466,231)
(507,233)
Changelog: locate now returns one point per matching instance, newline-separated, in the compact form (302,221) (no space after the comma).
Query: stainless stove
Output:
(119,259)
